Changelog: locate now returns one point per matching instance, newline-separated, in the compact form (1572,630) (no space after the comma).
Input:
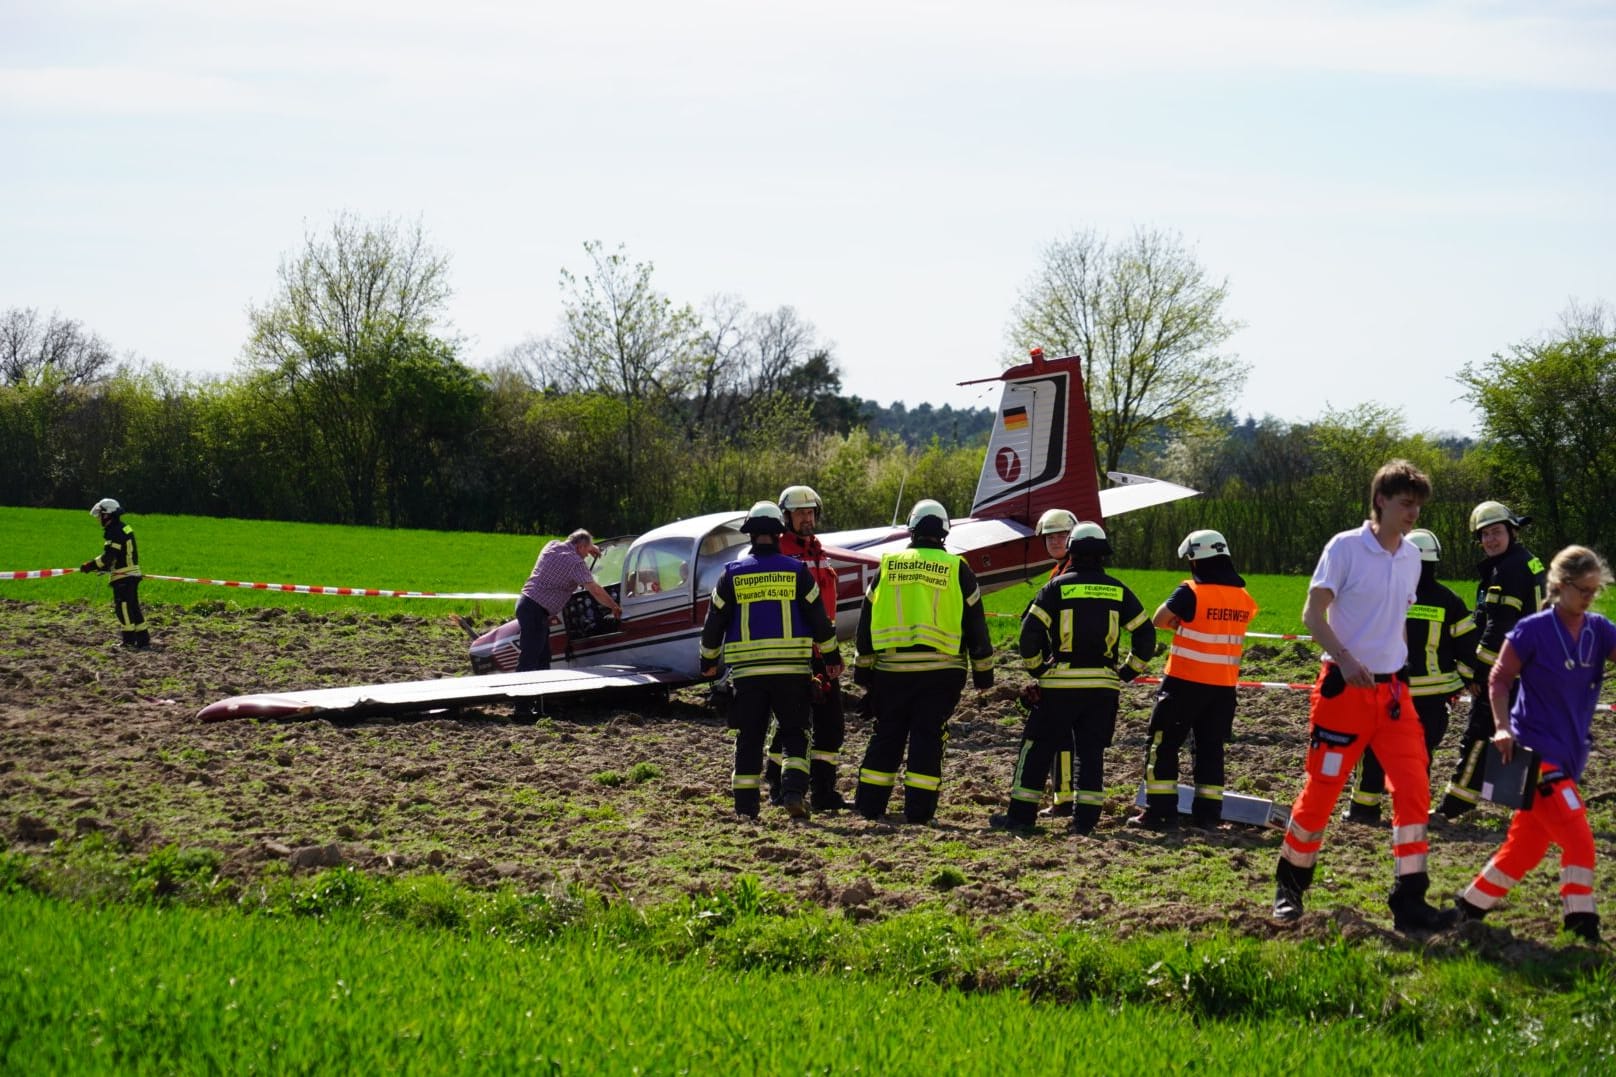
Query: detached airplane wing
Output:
(405,696)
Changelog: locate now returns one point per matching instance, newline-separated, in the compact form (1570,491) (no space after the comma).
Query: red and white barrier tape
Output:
(288,588)
(1249,635)
(1239,684)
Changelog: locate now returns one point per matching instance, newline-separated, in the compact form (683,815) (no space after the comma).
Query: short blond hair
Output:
(1572,563)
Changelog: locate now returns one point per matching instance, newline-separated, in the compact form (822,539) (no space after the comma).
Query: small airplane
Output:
(1040,455)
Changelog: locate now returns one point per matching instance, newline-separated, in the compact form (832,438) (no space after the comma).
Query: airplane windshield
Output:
(608,567)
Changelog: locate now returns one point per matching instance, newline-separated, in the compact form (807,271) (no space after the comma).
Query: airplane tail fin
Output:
(1041,453)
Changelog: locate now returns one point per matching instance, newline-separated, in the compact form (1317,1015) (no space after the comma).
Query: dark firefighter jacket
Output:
(1071,634)
(1511,586)
(1441,639)
(119,554)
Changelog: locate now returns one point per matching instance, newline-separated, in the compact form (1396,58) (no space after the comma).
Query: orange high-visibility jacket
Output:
(1207,648)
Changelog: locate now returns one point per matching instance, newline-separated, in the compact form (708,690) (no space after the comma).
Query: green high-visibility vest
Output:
(917,602)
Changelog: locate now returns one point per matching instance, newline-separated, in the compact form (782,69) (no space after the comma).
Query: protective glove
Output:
(981,678)
(88,566)
(833,671)
(1126,674)
(1032,694)
(710,673)
(863,676)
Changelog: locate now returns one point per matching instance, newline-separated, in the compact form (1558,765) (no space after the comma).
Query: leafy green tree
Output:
(1548,409)
(1148,322)
(346,339)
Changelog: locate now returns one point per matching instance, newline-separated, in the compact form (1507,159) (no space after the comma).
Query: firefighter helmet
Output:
(800,497)
(764,518)
(928,518)
(1088,540)
(1494,512)
(1055,521)
(1199,545)
(105,507)
(1425,542)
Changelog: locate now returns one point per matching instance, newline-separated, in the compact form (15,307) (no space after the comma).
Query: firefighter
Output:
(1357,603)
(120,557)
(801,508)
(1441,656)
(1559,656)
(922,626)
(1208,615)
(1070,640)
(1511,586)
(1055,528)
(765,620)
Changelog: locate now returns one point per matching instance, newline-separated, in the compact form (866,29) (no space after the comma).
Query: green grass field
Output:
(340,976)
(328,555)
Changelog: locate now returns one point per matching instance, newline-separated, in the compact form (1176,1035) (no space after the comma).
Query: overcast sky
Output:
(1391,189)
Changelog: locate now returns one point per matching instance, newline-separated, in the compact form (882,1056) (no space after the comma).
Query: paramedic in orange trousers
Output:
(1357,601)
(1559,655)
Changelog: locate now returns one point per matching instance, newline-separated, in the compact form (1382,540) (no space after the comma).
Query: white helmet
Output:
(1055,521)
(764,518)
(800,497)
(105,507)
(1203,544)
(1088,538)
(928,517)
(1494,512)
(1425,542)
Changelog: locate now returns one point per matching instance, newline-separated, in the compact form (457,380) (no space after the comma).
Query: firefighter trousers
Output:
(1184,709)
(827,733)
(911,710)
(1464,788)
(1557,816)
(1344,721)
(1081,721)
(1433,713)
(126,604)
(784,697)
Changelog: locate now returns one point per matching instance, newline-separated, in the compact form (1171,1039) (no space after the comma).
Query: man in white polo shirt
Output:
(1357,602)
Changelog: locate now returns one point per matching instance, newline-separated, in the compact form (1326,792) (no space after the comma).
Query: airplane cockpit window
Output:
(718,548)
(660,567)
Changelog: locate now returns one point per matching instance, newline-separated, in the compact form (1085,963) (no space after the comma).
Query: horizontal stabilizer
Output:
(433,694)
(1138,492)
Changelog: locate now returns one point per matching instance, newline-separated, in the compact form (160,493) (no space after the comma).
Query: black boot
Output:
(822,787)
(1362,814)
(771,778)
(1584,925)
(1291,882)
(1468,913)
(1452,807)
(1411,913)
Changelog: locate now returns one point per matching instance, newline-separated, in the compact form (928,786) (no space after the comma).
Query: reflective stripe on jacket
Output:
(1206,649)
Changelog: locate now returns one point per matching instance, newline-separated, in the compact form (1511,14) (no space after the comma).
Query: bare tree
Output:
(621,337)
(1148,324)
(33,350)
